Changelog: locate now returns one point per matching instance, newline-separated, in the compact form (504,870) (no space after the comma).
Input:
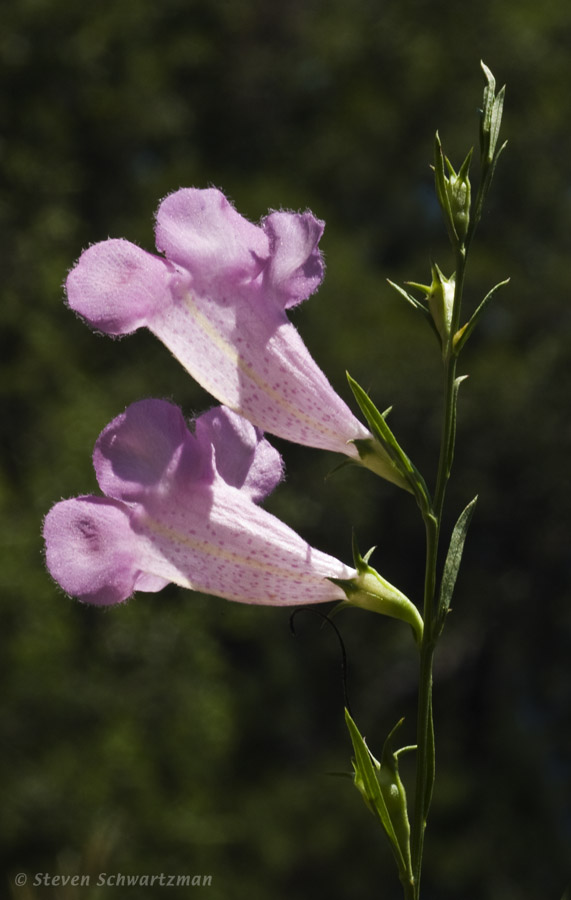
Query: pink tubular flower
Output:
(218,301)
(181,507)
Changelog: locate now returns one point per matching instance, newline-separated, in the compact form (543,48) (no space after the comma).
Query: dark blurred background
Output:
(188,735)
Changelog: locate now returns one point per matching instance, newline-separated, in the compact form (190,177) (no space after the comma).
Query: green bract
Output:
(382,790)
(388,448)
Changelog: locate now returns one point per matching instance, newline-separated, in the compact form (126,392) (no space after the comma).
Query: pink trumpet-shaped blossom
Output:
(218,300)
(181,506)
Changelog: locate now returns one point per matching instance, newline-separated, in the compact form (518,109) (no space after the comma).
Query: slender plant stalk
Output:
(444,299)
(425,769)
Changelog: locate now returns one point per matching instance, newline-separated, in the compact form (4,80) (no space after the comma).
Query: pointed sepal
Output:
(369,590)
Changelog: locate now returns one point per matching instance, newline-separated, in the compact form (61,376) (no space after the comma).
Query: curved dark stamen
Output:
(344,666)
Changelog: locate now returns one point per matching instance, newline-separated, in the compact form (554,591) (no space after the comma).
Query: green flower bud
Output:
(380,786)
(394,793)
(371,591)
(440,296)
(460,196)
(454,193)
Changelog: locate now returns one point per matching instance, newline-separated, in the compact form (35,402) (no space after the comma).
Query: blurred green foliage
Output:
(183,734)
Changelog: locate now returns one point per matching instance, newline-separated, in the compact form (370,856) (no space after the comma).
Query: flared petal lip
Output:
(218,303)
(207,535)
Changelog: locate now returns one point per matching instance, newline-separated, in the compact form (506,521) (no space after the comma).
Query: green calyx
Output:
(440,297)
(373,456)
(369,590)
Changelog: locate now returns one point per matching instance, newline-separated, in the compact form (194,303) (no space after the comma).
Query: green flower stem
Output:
(425,767)
(425,728)
(455,205)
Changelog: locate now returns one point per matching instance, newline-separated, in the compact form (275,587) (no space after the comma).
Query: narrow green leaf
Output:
(378,425)
(490,124)
(496,121)
(367,783)
(488,102)
(464,333)
(491,117)
(494,162)
(416,304)
(489,77)
(456,387)
(439,174)
(430,764)
(453,559)
(441,184)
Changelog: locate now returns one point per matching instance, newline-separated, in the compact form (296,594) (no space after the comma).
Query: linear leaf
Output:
(464,333)
(378,425)
(453,559)
(409,298)
(368,784)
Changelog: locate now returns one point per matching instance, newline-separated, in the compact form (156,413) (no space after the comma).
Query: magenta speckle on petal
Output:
(218,300)
(184,509)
